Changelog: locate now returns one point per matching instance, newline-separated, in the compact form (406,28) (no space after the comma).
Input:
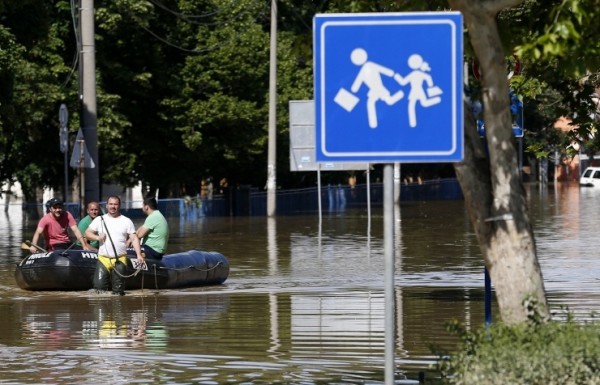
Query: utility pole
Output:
(89,116)
(271,167)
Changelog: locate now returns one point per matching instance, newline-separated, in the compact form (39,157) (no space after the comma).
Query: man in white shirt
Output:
(113,230)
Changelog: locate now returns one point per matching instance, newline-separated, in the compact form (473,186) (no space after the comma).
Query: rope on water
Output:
(139,268)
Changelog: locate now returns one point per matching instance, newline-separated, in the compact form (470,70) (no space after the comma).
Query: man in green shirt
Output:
(154,233)
(93,210)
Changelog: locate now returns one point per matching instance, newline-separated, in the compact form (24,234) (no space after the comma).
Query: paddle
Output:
(27,245)
(68,248)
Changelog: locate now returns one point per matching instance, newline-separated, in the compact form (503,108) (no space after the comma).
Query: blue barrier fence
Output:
(247,200)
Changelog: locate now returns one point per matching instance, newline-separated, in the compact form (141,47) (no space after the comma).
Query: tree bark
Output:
(494,195)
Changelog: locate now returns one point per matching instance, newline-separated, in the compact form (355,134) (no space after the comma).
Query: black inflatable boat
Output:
(74,270)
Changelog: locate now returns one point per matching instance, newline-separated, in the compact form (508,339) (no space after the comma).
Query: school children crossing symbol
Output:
(388,87)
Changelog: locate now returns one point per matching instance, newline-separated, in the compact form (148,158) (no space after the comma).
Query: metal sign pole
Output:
(319,193)
(396,182)
(388,249)
(82,177)
(66,178)
(369,195)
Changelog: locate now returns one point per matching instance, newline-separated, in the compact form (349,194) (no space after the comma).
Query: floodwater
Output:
(303,303)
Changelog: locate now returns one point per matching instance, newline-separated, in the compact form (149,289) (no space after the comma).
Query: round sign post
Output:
(63,115)
(63,118)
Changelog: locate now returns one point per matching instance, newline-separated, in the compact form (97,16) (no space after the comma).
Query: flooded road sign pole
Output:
(388,88)
(388,251)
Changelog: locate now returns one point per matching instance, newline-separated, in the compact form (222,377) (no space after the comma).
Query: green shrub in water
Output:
(534,353)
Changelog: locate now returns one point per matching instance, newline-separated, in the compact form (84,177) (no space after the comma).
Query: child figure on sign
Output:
(417,93)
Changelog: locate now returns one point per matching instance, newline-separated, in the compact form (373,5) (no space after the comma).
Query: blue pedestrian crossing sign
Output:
(389,87)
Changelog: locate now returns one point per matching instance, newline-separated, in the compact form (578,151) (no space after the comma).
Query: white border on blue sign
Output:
(456,86)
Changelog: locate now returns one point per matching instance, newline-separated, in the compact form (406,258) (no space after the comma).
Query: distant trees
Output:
(559,45)
(192,83)
(32,73)
(182,90)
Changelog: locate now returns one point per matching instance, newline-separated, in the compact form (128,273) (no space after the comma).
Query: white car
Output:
(590,177)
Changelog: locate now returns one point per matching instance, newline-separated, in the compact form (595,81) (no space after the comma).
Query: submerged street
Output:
(303,302)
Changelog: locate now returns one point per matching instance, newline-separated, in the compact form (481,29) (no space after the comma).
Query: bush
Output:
(534,353)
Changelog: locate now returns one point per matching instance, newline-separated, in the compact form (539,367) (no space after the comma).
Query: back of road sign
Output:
(389,87)
(81,156)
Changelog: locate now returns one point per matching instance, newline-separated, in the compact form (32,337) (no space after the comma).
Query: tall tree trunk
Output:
(494,195)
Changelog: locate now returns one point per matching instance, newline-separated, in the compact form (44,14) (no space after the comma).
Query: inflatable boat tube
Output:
(74,270)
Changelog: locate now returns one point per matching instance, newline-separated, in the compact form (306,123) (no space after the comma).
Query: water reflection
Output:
(398,252)
(304,302)
(11,220)
(138,321)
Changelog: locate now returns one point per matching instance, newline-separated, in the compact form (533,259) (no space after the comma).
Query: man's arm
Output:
(141,232)
(34,240)
(135,241)
(83,225)
(81,238)
(92,236)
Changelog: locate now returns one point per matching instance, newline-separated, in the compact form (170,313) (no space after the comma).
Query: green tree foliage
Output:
(192,80)
(10,57)
(32,69)
(220,108)
(182,90)
(558,45)
(134,70)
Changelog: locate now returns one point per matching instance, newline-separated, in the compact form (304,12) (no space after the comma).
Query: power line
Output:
(248,9)
(186,16)
(72,71)
(189,18)
(75,61)
(295,12)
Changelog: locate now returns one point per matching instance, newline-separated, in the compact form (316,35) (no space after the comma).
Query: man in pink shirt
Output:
(54,226)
